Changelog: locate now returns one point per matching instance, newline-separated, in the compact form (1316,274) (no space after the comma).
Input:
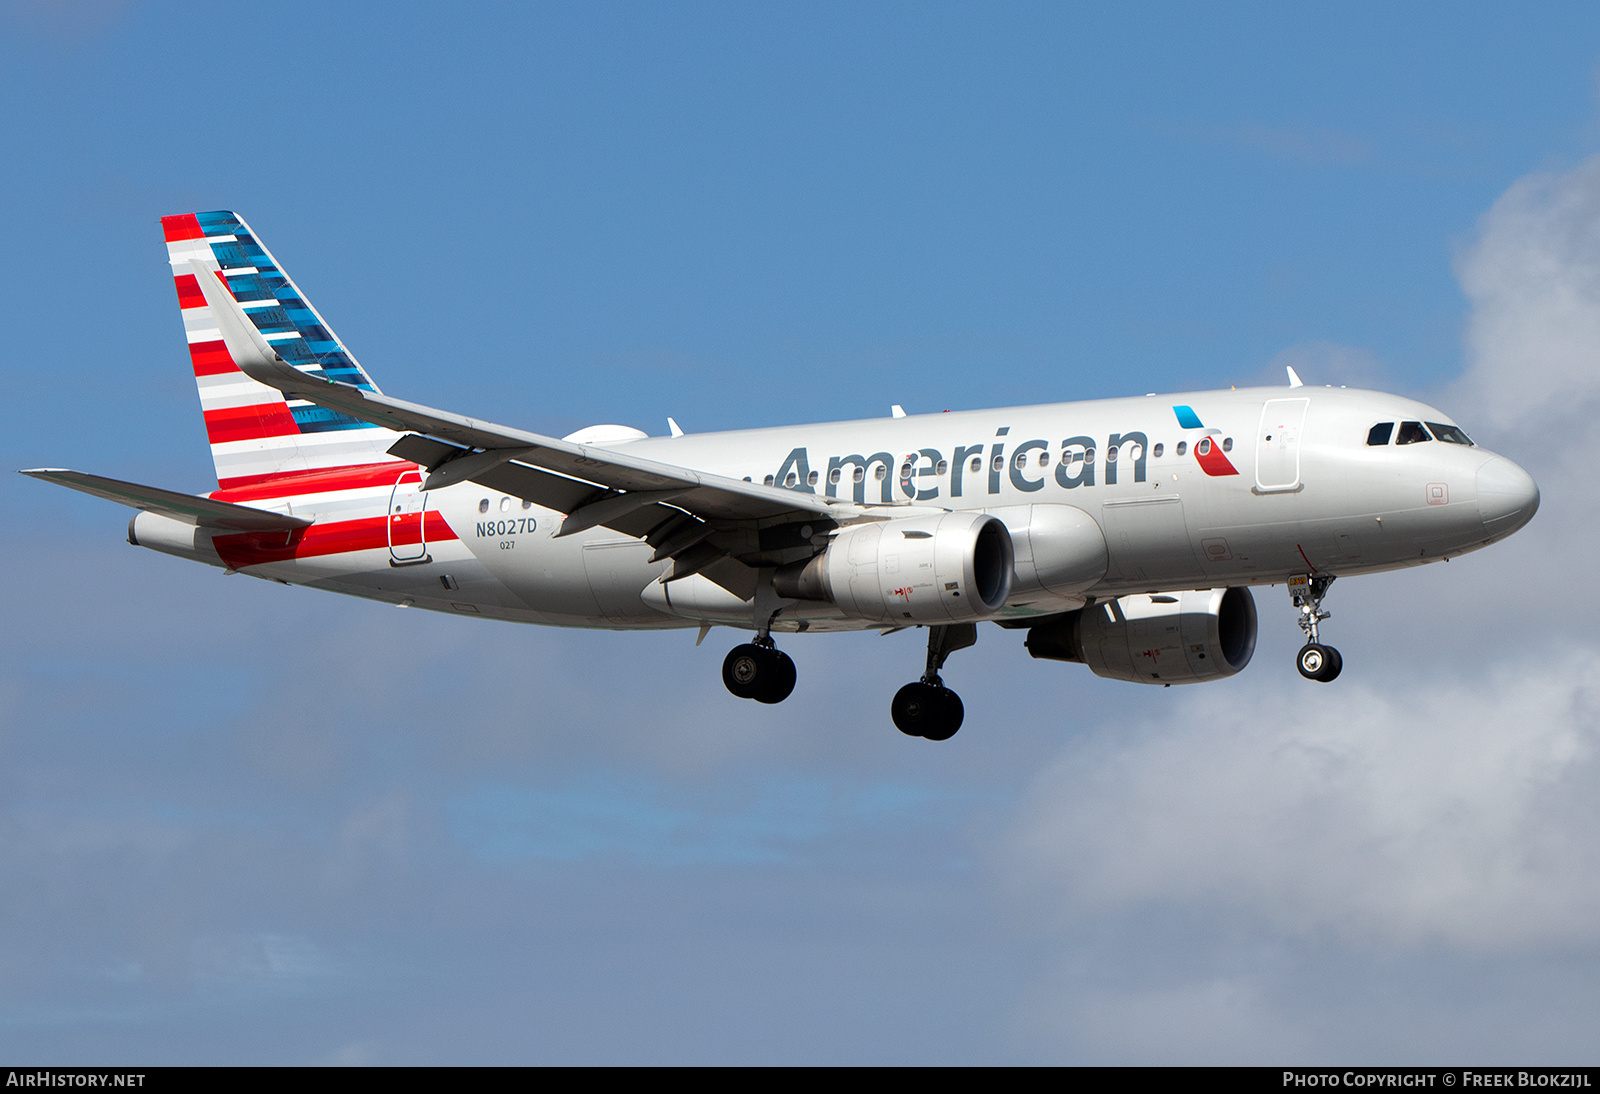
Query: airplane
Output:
(1122,534)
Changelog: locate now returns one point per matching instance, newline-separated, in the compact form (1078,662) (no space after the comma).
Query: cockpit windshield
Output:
(1450,434)
(1415,433)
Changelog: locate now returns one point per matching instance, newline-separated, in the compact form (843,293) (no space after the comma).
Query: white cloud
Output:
(1459,813)
(1532,275)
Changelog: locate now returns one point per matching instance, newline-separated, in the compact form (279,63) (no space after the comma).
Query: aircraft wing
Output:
(169,503)
(675,509)
(557,474)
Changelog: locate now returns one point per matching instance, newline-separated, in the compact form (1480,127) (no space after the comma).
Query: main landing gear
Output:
(927,708)
(759,670)
(1315,661)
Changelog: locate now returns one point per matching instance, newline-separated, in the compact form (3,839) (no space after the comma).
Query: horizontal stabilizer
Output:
(169,503)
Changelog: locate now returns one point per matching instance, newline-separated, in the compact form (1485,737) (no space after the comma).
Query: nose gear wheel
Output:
(1315,661)
(1319,662)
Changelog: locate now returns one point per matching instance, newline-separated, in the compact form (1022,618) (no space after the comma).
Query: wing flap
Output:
(188,508)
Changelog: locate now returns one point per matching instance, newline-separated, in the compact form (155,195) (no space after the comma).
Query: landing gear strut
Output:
(759,670)
(1315,661)
(927,708)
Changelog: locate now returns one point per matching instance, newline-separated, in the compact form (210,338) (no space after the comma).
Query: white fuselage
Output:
(1288,484)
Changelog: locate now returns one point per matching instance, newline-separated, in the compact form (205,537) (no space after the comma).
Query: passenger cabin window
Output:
(976,465)
(1412,433)
(767,481)
(1227,444)
(941,468)
(1379,434)
(1157,450)
(1450,434)
(833,476)
(1183,446)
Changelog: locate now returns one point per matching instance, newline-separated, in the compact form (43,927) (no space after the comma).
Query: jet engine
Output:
(936,569)
(1183,638)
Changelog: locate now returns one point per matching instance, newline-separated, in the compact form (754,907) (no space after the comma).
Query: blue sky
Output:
(247,823)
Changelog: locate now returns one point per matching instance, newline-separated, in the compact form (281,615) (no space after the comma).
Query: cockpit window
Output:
(1412,433)
(1379,434)
(1450,434)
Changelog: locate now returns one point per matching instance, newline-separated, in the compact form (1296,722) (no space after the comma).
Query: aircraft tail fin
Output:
(257,434)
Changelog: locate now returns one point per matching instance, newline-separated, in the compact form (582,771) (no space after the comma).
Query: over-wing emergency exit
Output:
(1124,534)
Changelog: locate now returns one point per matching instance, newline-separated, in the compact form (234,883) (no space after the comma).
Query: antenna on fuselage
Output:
(1294,377)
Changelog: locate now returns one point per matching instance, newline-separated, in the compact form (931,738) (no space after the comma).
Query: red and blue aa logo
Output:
(1207,451)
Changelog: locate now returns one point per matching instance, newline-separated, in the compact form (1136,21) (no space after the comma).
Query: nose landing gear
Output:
(927,708)
(1315,661)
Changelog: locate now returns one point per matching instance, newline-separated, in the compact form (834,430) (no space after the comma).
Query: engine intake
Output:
(1183,638)
(943,568)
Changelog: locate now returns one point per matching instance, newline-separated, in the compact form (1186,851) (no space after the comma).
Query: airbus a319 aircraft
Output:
(1124,534)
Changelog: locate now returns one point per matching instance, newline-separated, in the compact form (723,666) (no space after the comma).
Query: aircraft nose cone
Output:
(1507,496)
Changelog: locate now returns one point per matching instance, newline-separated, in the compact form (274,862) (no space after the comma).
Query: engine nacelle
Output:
(941,568)
(1183,638)
(1059,549)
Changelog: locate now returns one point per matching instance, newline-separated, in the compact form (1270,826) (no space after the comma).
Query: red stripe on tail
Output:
(249,423)
(211,358)
(183,226)
(284,484)
(189,295)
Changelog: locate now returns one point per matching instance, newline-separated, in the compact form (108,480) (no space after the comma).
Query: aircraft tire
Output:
(743,670)
(778,682)
(1318,662)
(950,717)
(925,710)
